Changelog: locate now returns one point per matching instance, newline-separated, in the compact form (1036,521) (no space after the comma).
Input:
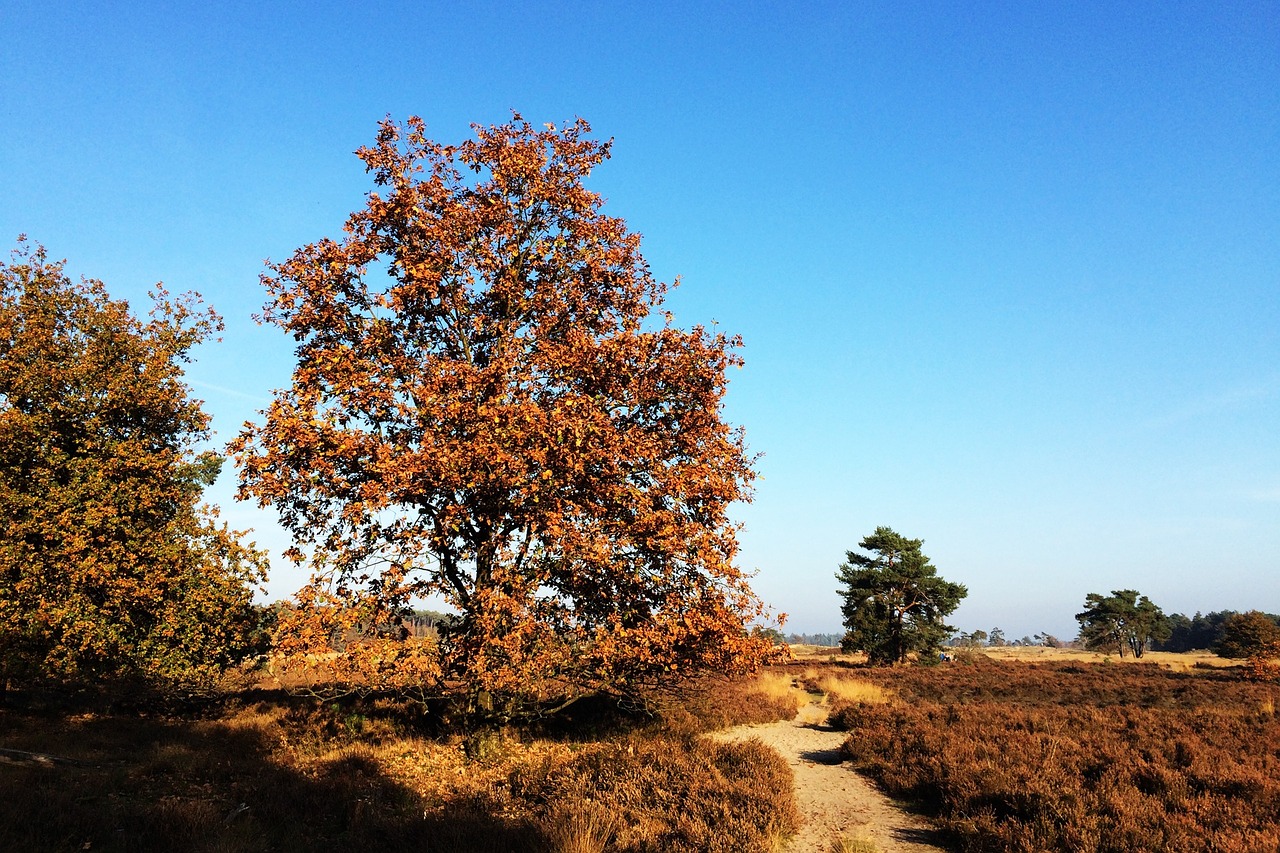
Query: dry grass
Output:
(674,794)
(717,703)
(781,688)
(585,827)
(270,772)
(840,688)
(846,844)
(825,654)
(1176,661)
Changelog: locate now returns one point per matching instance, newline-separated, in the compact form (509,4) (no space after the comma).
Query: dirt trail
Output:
(833,800)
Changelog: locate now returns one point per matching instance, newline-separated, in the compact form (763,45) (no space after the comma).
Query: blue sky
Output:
(1008,273)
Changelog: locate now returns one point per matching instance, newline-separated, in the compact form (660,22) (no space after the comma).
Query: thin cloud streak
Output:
(230,392)
(1231,399)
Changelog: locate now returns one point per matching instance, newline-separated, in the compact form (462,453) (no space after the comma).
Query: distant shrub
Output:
(1255,637)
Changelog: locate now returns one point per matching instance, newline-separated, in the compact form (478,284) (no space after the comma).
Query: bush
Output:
(676,794)
(1253,636)
(110,567)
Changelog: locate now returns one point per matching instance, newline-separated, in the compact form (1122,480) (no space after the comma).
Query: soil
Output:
(834,801)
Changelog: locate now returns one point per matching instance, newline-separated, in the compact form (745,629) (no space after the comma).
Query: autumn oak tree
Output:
(486,411)
(109,564)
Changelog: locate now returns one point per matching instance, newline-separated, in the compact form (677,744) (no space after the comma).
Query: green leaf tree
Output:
(894,601)
(1124,621)
(109,564)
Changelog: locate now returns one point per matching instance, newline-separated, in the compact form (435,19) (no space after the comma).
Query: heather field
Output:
(1005,755)
(1071,756)
(261,770)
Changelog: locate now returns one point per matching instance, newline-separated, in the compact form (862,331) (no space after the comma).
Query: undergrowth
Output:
(272,772)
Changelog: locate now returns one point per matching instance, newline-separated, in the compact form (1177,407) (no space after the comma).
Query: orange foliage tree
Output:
(484,411)
(109,564)
(1255,637)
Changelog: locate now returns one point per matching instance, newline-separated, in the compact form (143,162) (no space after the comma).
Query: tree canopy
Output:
(1124,621)
(485,412)
(109,564)
(1245,635)
(1252,636)
(894,601)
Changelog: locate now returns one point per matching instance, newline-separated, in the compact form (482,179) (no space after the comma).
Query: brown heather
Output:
(1036,757)
(268,771)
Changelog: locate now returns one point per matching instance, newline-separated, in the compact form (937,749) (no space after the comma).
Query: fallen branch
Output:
(38,759)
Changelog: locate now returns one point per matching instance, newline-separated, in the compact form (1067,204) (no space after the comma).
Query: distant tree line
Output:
(815,639)
(995,638)
(1125,621)
(428,623)
(1128,622)
(1175,632)
(1202,631)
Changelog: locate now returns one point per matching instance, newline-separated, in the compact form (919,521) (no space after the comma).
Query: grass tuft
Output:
(584,827)
(846,844)
(842,689)
(781,689)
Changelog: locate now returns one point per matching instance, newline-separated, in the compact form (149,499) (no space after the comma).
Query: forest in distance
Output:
(1201,631)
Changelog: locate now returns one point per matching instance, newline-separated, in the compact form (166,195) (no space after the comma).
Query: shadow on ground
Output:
(154,783)
(823,756)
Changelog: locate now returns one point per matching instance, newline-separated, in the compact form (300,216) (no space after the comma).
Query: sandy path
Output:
(833,800)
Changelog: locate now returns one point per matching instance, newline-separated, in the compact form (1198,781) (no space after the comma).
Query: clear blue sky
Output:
(1008,273)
